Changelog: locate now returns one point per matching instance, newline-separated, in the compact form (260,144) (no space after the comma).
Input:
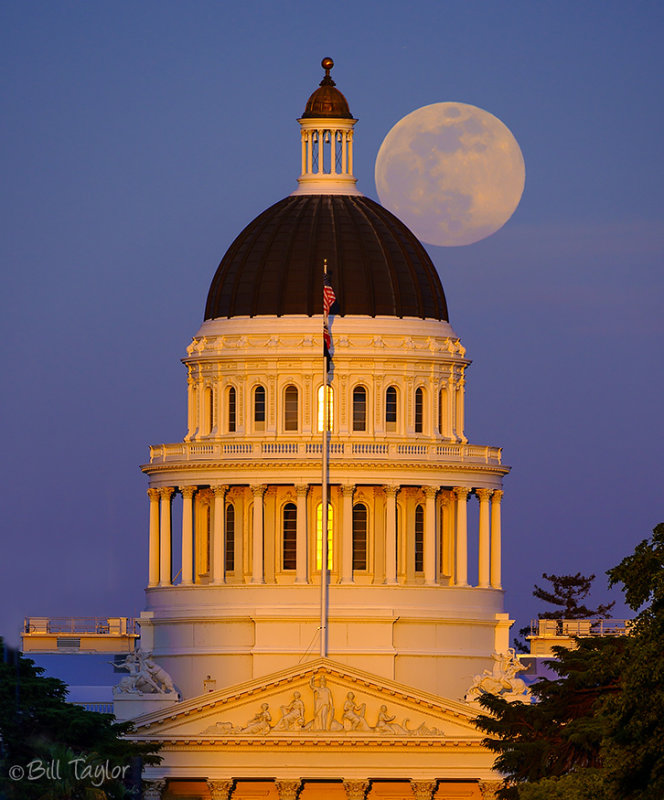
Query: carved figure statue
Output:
(145,677)
(260,722)
(292,715)
(386,724)
(323,705)
(354,715)
(501,679)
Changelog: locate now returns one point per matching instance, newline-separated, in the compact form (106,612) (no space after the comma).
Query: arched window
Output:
(232,410)
(290,408)
(359,408)
(419,409)
(230,538)
(419,538)
(289,537)
(321,408)
(391,408)
(209,410)
(259,408)
(319,535)
(359,536)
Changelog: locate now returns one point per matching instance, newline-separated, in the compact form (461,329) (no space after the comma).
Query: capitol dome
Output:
(377,266)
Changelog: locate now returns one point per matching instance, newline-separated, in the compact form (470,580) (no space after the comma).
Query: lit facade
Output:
(233,597)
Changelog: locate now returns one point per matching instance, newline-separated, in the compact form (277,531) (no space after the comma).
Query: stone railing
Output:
(403,450)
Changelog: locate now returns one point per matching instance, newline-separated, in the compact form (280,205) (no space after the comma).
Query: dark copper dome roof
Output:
(327,101)
(376,265)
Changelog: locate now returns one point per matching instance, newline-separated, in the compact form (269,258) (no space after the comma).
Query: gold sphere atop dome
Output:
(327,102)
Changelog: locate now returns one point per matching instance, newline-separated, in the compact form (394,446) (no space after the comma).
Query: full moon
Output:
(452,172)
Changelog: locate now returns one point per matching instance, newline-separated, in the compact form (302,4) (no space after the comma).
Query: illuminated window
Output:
(419,539)
(419,409)
(391,408)
(231,410)
(321,408)
(319,535)
(230,538)
(207,539)
(359,408)
(359,536)
(289,539)
(290,408)
(259,408)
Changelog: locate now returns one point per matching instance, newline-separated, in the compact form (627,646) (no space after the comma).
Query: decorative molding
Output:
(483,495)
(188,492)
(152,790)
(423,790)
(489,789)
(288,789)
(220,789)
(356,789)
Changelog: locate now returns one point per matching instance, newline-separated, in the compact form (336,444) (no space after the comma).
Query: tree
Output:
(596,731)
(38,725)
(568,593)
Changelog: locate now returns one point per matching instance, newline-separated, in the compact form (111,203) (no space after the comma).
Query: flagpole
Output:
(324,501)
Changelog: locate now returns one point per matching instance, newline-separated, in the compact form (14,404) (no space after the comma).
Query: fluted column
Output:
(220,789)
(430,535)
(165,536)
(495,539)
(288,789)
(391,534)
(347,534)
(302,560)
(187,534)
(153,548)
(484,551)
(218,535)
(461,536)
(423,790)
(447,550)
(257,571)
(356,789)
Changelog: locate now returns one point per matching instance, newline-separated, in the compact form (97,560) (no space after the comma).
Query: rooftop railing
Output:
(403,450)
(109,626)
(551,628)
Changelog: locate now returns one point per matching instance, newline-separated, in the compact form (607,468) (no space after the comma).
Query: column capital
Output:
(301,489)
(288,789)
(430,491)
(152,789)
(489,789)
(391,489)
(188,491)
(461,492)
(445,498)
(497,495)
(220,490)
(166,491)
(154,494)
(356,789)
(347,489)
(423,790)
(483,495)
(220,789)
(258,489)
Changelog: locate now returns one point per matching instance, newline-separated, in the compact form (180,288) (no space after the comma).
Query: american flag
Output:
(329,299)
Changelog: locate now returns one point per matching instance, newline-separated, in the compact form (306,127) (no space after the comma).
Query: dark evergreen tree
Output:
(596,732)
(567,593)
(38,724)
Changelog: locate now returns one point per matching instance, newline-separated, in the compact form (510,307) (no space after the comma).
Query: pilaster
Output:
(220,789)
(288,789)
(430,535)
(152,790)
(391,534)
(218,535)
(356,789)
(423,790)
(347,534)
(257,572)
(187,534)
(461,535)
(302,557)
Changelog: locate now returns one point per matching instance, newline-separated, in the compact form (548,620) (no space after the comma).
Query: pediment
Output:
(320,701)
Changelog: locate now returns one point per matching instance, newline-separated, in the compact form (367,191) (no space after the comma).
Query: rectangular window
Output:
(230,539)
(419,539)
(319,536)
(289,542)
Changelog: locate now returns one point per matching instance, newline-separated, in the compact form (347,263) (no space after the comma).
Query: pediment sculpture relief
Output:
(501,680)
(325,718)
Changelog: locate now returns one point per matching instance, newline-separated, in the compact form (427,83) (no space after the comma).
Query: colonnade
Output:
(443,551)
(290,789)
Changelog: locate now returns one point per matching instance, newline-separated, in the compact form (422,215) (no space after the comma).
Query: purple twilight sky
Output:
(139,138)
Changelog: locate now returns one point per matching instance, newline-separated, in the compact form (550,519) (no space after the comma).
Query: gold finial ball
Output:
(327,63)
